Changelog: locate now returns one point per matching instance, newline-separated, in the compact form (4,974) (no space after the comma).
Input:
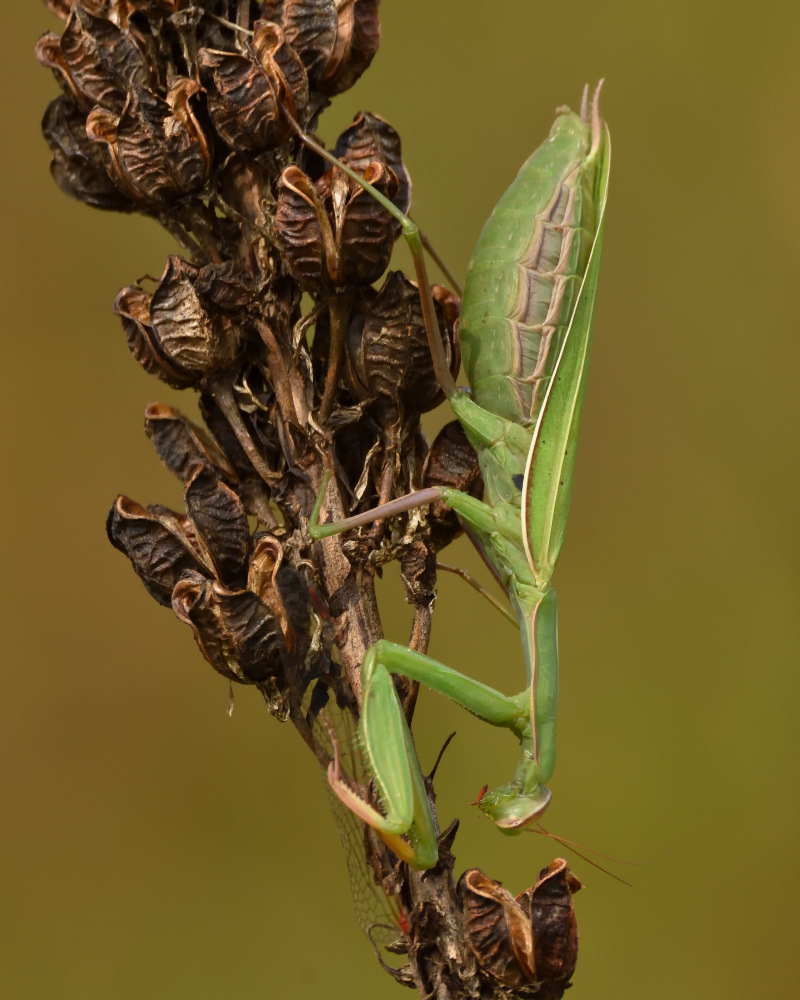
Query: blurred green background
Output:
(153,847)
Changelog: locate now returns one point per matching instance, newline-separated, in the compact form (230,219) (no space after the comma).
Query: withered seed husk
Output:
(180,443)
(220,519)
(234,630)
(155,147)
(158,550)
(103,61)
(77,163)
(247,92)
(369,138)
(453,462)
(529,943)
(194,341)
(389,358)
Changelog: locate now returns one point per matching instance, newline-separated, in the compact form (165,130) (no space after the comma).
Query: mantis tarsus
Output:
(525,334)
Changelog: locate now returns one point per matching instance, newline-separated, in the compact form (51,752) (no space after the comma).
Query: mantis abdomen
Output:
(525,273)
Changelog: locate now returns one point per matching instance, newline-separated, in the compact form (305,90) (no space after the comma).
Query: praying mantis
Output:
(525,333)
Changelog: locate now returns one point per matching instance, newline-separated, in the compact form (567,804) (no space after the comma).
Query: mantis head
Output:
(510,810)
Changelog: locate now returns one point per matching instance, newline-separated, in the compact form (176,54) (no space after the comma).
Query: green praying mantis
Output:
(525,334)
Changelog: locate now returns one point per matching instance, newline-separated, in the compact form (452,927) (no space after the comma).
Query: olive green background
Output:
(150,846)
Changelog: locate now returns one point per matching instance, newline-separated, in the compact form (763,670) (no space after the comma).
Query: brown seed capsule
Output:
(497,929)
(389,358)
(96,61)
(265,562)
(529,943)
(552,916)
(180,444)
(77,165)
(336,40)
(224,286)
(194,341)
(132,305)
(221,522)
(246,93)
(333,233)
(181,332)
(453,462)
(156,147)
(193,338)
(369,138)
(156,543)
(63,8)
(234,630)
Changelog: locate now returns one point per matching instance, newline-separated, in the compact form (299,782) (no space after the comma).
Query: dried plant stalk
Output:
(178,110)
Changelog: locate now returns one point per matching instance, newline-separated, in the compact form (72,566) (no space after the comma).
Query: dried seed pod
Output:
(334,234)
(77,165)
(180,444)
(194,341)
(246,93)
(221,522)
(265,562)
(132,305)
(63,8)
(156,544)
(234,630)
(498,930)
(296,603)
(388,354)
(263,433)
(180,333)
(530,943)
(555,928)
(358,36)
(156,148)
(451,461)
(95,60)
(369,138)
(225,286)
(336,40)
(242,183)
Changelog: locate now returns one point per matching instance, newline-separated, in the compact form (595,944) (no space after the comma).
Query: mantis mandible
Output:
(525,333)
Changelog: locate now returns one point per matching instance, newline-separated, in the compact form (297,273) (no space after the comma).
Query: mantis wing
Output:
(547,486)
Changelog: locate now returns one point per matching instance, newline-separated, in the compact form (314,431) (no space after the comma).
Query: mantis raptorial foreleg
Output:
(407,825)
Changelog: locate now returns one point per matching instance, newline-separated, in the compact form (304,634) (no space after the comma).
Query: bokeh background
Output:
(152,847)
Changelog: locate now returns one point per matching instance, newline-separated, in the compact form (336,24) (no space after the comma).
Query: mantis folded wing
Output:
(525,332)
